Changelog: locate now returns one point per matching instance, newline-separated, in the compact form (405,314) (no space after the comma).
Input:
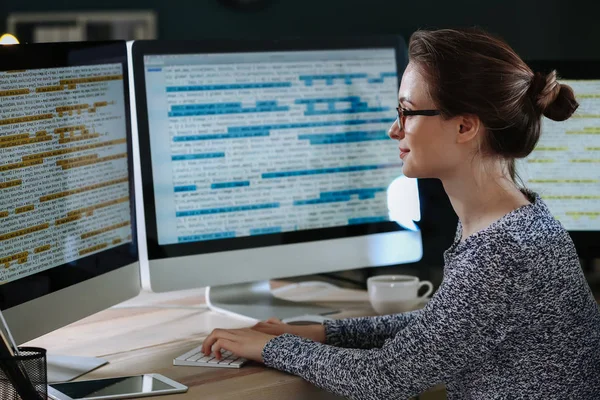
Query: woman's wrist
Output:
(318,333)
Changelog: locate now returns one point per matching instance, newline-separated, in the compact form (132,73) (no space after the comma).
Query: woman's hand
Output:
(274,326)
(247,343)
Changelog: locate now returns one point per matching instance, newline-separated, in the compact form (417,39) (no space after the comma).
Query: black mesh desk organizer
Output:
(31,374)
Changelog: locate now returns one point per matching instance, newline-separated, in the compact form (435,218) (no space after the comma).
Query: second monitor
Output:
(270,159)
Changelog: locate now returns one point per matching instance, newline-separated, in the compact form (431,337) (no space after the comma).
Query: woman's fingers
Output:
(213,337)
(222,344)
(269,322)
(207,344)
(274,329)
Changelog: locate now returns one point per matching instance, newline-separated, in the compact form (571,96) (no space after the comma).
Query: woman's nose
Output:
(394,132)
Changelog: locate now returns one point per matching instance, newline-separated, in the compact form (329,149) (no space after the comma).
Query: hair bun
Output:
(545,89)
(553,99)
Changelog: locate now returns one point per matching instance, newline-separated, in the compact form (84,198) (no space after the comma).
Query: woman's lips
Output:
(403,152)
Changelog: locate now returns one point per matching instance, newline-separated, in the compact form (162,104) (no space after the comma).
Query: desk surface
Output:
(142,336)
(139,336)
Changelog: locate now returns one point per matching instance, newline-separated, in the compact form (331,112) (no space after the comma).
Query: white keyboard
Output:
(196,358)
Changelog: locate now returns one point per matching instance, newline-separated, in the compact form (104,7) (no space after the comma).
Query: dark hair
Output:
(469,71)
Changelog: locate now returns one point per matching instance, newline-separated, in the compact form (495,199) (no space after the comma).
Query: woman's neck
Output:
(480,198)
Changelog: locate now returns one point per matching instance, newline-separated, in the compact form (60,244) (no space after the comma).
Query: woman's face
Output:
(427,144)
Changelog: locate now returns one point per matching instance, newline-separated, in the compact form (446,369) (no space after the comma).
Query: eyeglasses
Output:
(403,113)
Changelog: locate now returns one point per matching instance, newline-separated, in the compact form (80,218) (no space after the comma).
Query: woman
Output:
(514,316)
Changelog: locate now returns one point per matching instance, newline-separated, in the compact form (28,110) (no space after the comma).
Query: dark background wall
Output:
(553,29)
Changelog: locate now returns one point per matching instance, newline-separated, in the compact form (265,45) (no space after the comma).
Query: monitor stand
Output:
(255,301)
(66,368)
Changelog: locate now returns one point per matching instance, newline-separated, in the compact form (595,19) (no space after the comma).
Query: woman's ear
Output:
(468,127)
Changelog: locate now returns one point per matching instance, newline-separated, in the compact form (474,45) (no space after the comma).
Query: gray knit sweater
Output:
(514,318)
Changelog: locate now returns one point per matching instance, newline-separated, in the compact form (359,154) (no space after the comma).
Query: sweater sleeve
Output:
(464,321)
(366,332)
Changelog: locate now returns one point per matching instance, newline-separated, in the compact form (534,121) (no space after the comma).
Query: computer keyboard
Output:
(196,358)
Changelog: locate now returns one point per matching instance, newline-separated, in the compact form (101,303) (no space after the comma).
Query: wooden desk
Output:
(139,336)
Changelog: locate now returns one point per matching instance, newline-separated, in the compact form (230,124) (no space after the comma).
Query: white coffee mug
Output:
(392,294)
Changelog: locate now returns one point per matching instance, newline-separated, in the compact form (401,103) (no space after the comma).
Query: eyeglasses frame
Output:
(402,113)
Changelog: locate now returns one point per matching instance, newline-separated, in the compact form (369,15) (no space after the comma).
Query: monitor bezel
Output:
(58,55)
(140,49)
(586,242)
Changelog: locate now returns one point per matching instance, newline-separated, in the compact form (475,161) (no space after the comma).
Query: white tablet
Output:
(124,387)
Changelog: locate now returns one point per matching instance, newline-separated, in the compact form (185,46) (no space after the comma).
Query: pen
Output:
(10,337)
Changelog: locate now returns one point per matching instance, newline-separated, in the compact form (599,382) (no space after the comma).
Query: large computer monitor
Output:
(269,159)
(564,168)
(67,226)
